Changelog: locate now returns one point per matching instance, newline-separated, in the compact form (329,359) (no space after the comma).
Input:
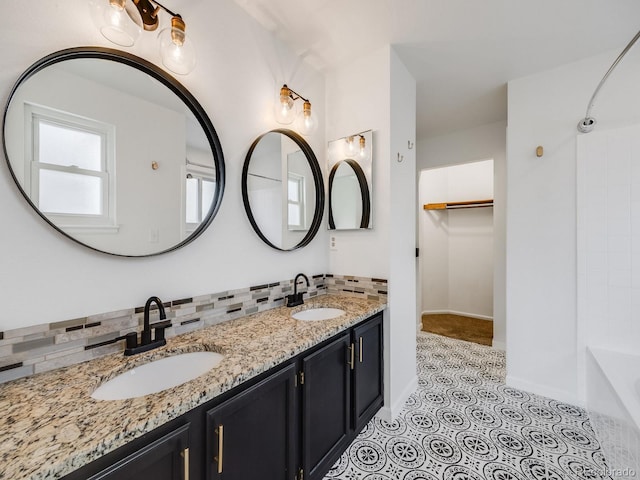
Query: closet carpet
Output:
(457,326)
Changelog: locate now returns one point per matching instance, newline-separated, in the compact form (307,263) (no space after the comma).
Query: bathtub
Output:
(613,402)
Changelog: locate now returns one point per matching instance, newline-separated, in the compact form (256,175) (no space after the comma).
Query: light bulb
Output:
(176,48)
(363,154)
(118,21)
(284,111)
(308,122)
(349,147)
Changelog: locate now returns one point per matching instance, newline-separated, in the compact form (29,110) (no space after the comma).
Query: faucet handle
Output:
(131,340)
(159,327)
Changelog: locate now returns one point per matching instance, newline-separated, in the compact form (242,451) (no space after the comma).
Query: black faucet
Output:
(146,343)
(296,299)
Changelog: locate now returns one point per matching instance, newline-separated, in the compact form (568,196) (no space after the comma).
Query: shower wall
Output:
(608,236)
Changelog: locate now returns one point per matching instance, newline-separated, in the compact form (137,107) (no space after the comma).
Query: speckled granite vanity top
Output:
(51,426)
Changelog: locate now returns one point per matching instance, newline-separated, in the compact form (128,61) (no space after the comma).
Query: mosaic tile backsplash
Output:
(40,348)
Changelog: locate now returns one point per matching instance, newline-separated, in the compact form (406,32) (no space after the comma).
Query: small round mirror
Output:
(350,182)
(282,190)
(349,202)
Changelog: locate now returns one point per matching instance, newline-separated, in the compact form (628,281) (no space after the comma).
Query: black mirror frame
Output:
(168,81)
(317,180)
(364,193)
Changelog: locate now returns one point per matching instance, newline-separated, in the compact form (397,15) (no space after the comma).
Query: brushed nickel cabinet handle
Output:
(185,463)
(218,459)
(360,349)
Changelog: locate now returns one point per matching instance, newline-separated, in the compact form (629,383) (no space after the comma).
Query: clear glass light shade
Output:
(177,51)
(307,120)
(284,110)
(118,20)
(350,147)
(363,151)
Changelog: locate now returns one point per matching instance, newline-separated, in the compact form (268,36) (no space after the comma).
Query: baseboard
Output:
(454,312)
(499,345)
(389,413)
(545,391)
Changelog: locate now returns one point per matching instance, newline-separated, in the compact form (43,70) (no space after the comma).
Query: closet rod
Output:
(458,205)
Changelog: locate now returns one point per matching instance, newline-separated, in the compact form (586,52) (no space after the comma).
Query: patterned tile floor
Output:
(464,423)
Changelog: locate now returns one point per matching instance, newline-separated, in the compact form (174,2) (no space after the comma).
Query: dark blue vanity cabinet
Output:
(326,399)
(290,423)
(163,454)
(368,371)
(254,433)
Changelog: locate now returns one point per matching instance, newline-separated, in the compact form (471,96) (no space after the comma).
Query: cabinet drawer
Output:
(164,459)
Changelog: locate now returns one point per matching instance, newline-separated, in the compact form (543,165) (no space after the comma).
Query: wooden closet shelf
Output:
(457,205)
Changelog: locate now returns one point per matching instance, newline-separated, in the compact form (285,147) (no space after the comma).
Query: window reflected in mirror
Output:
(283,190)
(113,152)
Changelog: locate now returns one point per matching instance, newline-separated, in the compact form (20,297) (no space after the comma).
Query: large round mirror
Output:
(282,189)
(113,152)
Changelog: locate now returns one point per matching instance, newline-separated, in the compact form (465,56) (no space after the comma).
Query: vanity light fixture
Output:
(285,112)
(356,150)
(122,21)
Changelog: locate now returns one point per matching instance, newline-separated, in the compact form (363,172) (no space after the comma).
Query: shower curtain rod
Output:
(588,122)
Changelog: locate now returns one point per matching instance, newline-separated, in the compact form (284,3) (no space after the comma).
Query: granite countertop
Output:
(51,426)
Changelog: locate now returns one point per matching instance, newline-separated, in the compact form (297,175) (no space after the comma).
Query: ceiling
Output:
(461,52)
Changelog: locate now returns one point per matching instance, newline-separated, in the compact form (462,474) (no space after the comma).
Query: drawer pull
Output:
(218,459)
(352,352)
(185,463)
(360,349)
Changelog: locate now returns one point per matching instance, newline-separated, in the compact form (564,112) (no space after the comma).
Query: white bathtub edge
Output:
(619,368)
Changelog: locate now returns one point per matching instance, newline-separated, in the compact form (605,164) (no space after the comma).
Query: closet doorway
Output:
(456,251)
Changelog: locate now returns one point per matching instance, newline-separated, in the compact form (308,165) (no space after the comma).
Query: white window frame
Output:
(70,222)
(299,179)
(199,172)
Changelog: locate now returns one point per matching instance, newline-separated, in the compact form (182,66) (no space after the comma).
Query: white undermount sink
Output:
(323,313)
(158,375)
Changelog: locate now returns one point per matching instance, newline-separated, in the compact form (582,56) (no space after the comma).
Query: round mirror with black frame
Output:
(113,152)
(283,190)
(348,188)
(350,162)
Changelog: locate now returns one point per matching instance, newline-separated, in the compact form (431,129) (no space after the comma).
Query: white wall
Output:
(457,245)
(376,92)
(358,99)
(403,262)
(471,262)
(240,69)
(479,143)
(544,109)
(434,242)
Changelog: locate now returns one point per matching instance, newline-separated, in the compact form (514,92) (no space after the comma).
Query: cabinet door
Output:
(325,406)
(368,389)
(165,459)
(253,434)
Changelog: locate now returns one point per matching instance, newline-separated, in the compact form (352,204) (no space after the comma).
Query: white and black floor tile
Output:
(464,423)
